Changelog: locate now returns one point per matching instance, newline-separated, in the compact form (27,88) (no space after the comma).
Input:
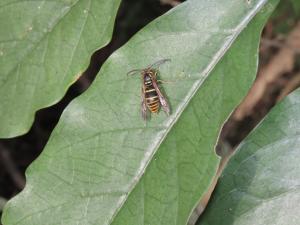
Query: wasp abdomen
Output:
(152,100)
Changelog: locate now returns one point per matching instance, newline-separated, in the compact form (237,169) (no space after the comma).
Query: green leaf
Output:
(261,184)
(44,48)
(104,165)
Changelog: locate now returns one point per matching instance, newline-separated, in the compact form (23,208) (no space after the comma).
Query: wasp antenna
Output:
(133,72)
(159,62)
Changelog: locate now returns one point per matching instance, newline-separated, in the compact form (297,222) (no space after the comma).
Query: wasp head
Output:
(149,74)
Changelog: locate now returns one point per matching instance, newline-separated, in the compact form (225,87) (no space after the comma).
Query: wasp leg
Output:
(166,81)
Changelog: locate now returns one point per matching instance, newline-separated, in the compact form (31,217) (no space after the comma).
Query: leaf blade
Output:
(43,50)
(261,181)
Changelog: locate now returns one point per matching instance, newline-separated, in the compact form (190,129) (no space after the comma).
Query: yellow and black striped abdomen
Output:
(151,98)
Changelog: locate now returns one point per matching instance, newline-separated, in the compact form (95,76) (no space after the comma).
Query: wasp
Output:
(152,97)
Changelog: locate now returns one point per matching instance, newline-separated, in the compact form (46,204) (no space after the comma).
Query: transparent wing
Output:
(162,99)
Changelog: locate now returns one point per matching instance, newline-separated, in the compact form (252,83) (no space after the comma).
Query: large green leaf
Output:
(94,167)
(261,184)
(44,48)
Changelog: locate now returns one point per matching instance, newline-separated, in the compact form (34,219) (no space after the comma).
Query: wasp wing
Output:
(162,99)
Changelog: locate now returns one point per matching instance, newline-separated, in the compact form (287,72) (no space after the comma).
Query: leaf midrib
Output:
(226,45)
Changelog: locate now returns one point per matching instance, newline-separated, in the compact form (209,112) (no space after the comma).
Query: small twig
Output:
(291,85)
(10,167)
(281,63)
(277,44)
(271,43)
(172,3)
(84,82)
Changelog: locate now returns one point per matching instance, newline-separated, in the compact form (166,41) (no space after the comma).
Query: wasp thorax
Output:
(147,79)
